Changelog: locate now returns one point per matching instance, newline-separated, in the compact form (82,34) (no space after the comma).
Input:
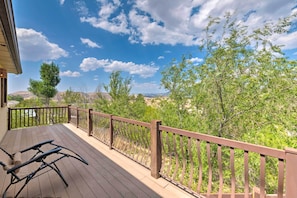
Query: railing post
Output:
(291,172)
(8,119)
(90,122)
(77,117)
(69,113)
(156,152)
(110,132)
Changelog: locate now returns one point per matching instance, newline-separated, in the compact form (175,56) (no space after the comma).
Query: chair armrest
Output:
(38,158)
(2,164)
(37,146)
(10,155)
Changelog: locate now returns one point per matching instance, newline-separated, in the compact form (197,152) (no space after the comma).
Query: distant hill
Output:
(154,95)
(91,95)
(58,97)
(88,96)
(23,94)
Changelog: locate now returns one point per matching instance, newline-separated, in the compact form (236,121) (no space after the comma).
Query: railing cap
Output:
(291,150)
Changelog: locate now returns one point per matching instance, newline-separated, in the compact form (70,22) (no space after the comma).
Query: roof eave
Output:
(9,32)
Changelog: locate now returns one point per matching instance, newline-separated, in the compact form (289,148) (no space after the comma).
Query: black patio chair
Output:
(45,155)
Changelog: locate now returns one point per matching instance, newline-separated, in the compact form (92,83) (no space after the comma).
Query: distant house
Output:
(9,57)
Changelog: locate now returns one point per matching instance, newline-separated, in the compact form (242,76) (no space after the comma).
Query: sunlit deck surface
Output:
(109,174)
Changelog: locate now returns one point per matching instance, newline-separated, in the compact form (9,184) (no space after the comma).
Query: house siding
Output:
(3,123)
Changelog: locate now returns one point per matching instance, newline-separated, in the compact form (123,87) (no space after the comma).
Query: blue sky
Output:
(90,39)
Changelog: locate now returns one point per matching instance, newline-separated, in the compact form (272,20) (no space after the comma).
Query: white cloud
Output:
(34,46)
(196,60)
(81,8)
(115,25)
(181,21)
(62,2)
(288,39)
(146,87)
(89,43)
(69,73)
(161,57)
(107,9)
(107,19)
(154,32)
(144,71)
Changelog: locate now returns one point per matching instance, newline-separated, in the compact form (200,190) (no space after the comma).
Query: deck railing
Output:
(129,137)
(36,116)
(201,164)
(215,166)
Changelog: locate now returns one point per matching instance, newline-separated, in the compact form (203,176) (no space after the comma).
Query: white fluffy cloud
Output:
(146,87)
(290,40)
(89,43)
(106,19)
(62,2)
(196,60)
(116,25)
(69,73)
(34,46)
(81,8)
(182,21)
(144,71)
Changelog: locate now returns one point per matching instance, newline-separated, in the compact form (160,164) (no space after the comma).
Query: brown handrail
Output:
(267,151)
(189,159)
(27,117)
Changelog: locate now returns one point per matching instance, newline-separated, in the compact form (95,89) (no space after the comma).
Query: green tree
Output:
(244,89)
(151,113)
(72,98)
(33,102)
(244,83)
(117,99)
(46,87)
(16,98)
(178,79)
(119,91)
(138,107)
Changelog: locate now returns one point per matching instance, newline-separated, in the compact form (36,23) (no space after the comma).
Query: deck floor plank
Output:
(5,146)
(103,177)
(98,186)
(34,185)
(21,143)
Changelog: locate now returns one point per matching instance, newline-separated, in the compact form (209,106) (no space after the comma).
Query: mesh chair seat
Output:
(45,155)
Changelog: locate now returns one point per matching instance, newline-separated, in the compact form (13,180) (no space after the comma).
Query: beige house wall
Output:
(3,115)
(9,58)
(3,122)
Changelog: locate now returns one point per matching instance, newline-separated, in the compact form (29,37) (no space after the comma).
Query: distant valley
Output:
(89,96)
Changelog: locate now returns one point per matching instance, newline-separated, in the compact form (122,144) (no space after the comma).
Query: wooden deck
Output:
(109,174)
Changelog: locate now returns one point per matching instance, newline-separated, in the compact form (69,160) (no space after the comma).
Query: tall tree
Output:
(138,107)
(46,87)
(245,82)
(71,97)
(245,89)
(119,91)
(246,78)
(178,79)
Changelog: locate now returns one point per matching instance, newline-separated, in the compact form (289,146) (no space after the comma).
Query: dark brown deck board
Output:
(102,178)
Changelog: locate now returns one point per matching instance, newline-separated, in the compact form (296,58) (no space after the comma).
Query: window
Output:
(3,87)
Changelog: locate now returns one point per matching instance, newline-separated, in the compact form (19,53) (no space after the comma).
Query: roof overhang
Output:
(9,51)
